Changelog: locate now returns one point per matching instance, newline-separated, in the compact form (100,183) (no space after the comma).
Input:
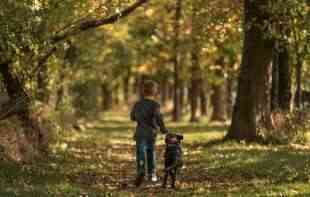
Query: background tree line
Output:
(223,60)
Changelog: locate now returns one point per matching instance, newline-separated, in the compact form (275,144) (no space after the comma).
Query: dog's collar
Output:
(177,145)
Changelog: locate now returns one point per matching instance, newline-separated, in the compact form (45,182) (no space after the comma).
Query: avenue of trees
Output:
(223,60)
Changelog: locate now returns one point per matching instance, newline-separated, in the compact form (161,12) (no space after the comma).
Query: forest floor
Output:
(100,162)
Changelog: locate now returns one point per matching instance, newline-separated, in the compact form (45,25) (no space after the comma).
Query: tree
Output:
(289,27)
(252,82)
(31,32)
(218,98)
(196,77)
(281,78)
(176,61)
(214,34)
(39,44)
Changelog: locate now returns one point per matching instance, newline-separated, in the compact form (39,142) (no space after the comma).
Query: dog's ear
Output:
(180,137)
(168,137)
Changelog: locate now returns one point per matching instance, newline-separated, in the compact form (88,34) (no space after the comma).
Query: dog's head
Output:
(172,138)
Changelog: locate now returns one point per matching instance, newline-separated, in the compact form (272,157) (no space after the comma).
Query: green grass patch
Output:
(100,162)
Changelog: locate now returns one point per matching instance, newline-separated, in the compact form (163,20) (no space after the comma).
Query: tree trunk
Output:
(275,81)
(61,90)
(176,62)
(203,99)
(43,93)
(19,100)
(229,96)
(264,105)
(42,81)
(252,84)
(164,90)
(298,94)
(218,99)
(126,86)
(196,76)
(141,81)
(20,105)
(195,81)
(284,79)
(194,95)
(281,79)
(171,91)
(135,85)
(107,96)
(182,95)
(116,94)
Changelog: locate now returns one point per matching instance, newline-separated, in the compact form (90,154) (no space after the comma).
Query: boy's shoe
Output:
(139,180)
(153,178)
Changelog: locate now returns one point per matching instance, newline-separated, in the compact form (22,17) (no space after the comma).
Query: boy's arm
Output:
(132,113)
(160,121)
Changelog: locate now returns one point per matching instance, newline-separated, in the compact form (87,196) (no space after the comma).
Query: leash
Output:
(171,167)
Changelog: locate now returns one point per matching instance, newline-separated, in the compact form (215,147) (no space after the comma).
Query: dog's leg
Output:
(165,179)
(173,177)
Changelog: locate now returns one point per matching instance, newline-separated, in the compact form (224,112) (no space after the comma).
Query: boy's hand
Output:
(134,137)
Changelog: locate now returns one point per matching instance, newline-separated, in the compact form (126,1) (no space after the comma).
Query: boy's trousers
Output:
(145,156)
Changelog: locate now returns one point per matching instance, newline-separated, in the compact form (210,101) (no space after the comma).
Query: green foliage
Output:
(28,26)
(289,25)
(85,98)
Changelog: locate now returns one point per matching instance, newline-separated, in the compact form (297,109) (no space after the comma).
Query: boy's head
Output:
(149,88)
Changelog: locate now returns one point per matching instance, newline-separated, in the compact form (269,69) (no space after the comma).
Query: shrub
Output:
(286,127)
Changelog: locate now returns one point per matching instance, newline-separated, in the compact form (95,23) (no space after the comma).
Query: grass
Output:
(100,162)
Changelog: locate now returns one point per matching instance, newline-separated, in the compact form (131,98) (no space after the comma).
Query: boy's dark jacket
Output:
(146,113)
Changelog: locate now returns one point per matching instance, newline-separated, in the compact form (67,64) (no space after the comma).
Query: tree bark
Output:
(42,81)
(256,62)
(94,23)
(203,99)
(61,90)
(126,85)
(298,94)
(20,105)
(116,94)
(284,79)
(171,91)
(176,62)
(107,101)
(19,100)
(194,95)
(196,76)
(218,99)
(182,95)
(164,90)
(194,98)
(196,81)
(275,81)
(229,96)
(135,85)
(141,80)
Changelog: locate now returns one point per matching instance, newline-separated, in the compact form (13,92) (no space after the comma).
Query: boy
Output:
(146,112)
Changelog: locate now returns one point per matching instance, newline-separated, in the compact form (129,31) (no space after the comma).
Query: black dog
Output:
(173,157)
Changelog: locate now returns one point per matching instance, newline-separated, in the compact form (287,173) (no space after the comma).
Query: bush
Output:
(287,127)
(85,98)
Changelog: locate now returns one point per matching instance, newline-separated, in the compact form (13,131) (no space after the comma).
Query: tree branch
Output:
(43,59)
(89,24)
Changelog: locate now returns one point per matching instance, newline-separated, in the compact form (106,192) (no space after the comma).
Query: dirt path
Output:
(101,162)
(114,166)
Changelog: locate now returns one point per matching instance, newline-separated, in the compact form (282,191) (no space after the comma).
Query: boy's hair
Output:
(149,88)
